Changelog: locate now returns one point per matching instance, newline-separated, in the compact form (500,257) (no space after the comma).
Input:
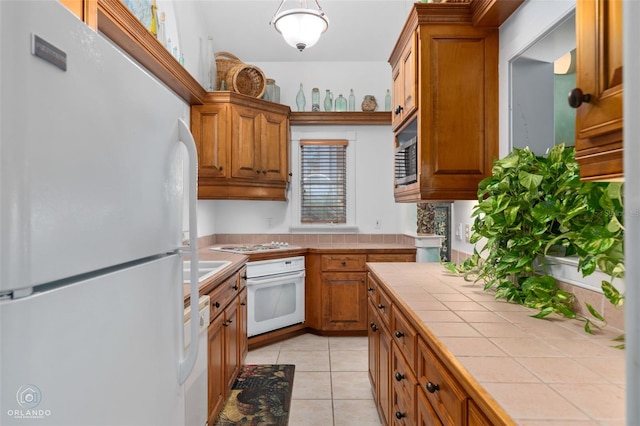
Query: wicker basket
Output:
(238,76)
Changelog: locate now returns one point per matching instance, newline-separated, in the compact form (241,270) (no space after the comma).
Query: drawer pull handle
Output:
(432,387)
(370,289)
(235,287)
(373,326)
(400,415)
(399,376)
(381,306)
(398,334)
(244,277)
(216,304)
(344,263)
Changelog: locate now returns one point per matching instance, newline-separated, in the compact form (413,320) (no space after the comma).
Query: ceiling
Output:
(359,30)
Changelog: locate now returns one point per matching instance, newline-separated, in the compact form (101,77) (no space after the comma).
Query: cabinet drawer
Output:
(344,262)
(404,335)
(426,415)
(223,294)
(444,393)
(403,390)
(390,257)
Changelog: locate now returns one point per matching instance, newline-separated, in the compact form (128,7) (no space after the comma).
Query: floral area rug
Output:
(261,395)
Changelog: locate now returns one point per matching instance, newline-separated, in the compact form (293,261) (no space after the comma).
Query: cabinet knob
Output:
(264,172)
(244,277)
(373,326)
(370,289)
(216,304)
(576,97)
(381,306)
(290,174)
(243,303)
(398,110)
(343,263)
(235,287)
(400,415)
(220,168)
(432,387)
(399,376)
(398,334)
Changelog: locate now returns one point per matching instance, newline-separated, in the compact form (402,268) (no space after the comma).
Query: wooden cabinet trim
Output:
(125,30)
(340,118)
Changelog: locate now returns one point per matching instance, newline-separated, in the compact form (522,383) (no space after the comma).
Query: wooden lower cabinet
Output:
(344,296)
(339,281)
(380,364)
(403,389)
(217,387)
(412,385)
(227,336)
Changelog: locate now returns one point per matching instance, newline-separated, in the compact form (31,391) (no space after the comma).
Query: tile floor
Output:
(331,383)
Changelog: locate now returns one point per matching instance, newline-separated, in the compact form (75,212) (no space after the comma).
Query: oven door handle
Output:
(278,279)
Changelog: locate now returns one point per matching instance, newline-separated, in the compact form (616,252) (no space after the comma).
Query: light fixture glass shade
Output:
(301,28)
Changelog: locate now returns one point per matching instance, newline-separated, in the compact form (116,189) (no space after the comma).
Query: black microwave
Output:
(406,162)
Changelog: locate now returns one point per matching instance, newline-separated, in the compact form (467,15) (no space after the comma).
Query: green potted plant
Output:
(533,206)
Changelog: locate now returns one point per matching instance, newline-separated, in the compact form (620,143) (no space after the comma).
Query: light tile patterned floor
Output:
(331,384)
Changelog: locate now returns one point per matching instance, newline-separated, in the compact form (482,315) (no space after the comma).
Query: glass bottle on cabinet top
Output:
(387,101)
(352,101)
(328,101)
(341,103)
(301,102)
(315,99)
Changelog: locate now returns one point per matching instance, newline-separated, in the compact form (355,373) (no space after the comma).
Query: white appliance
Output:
(275,294)
(196,397)
(91,203)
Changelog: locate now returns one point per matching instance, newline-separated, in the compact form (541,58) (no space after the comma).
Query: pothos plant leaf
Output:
(531,206)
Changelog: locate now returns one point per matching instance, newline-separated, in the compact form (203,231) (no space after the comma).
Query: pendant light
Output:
(301,27)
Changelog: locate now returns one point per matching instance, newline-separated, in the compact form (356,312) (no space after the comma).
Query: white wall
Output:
(374,151)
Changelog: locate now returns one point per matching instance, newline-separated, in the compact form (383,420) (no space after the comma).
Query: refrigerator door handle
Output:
(186,364)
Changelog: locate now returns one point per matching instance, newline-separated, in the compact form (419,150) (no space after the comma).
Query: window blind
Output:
(323,181)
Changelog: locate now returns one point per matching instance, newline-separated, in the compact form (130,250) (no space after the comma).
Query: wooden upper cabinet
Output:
(455,119)
(405,86)
(209,128)
(599,75)
(243,147)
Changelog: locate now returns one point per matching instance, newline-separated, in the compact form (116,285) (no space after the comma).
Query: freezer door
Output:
(103,351)
(91,168)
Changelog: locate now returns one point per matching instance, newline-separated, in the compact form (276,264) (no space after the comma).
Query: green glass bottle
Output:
(341,103)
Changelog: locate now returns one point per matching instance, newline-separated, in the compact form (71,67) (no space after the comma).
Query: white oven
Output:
(275,294)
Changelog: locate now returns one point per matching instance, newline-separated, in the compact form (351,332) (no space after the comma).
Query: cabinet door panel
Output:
(216,366)
(344,301)
(208,124)
(274,153)
(245,132)
(599,74)
(232,347)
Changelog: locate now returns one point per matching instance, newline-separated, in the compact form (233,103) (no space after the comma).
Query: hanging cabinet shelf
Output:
(347,118)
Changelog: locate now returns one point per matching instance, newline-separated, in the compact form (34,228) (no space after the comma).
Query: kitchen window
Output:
(323,189)
(323,183)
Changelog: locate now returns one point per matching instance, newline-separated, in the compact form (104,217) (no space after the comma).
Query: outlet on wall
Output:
(467,233)
(459,232)
(378,224)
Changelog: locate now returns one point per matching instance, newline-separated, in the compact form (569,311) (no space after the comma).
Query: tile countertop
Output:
(540,372)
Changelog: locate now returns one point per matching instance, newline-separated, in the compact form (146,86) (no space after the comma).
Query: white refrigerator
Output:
(92,164)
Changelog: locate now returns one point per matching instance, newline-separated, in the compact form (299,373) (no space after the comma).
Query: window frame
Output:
(296,197)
